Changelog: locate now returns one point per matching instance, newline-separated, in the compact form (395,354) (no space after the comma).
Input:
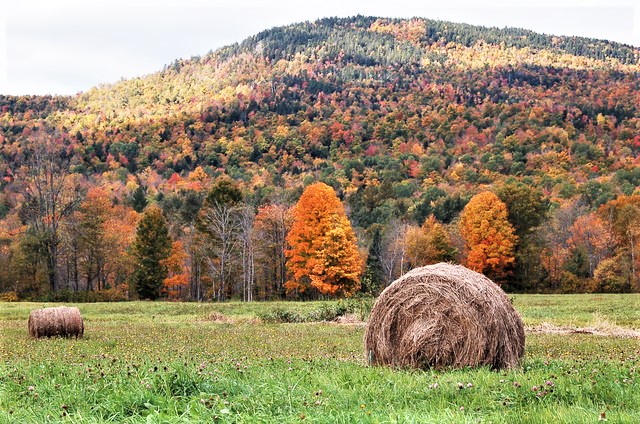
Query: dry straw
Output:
(441,316)
(61,321)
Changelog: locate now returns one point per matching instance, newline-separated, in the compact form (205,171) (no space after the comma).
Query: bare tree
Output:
(50,194)
(71,252)
(555,239)
(248,252)
(394,250)
(270,232)
(221,222)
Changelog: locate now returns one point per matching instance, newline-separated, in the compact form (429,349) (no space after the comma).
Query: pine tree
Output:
(323,254)
(373,279)
(151,248)
(527,209)
(139,199)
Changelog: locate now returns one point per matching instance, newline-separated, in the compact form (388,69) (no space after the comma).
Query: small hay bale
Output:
(61,321)
(441,316)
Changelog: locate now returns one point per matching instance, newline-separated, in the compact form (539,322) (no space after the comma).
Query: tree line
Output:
(210,241)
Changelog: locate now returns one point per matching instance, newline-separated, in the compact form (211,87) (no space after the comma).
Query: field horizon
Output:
(219,362)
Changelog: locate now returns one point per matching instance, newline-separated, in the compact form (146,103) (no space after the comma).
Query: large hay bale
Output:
(442,316)
(61,321)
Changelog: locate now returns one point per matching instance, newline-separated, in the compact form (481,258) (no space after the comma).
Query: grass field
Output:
(166,362)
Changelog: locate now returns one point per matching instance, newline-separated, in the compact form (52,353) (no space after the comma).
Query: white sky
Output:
(68,46)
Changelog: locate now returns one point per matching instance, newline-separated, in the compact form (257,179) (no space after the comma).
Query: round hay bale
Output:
(441,316)
(61,321)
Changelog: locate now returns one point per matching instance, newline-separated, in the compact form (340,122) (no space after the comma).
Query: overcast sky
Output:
(69,46)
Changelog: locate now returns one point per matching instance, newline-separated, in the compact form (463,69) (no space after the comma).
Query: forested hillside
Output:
(407,120)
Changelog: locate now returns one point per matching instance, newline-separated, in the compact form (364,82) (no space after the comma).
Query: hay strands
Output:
(444,316)
(61,321)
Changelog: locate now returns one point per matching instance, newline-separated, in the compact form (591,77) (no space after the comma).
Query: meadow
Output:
(187,362)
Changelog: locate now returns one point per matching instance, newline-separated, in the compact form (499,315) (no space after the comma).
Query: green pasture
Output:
(172,362)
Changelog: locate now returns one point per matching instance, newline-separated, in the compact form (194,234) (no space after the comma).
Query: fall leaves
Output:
(489,236)
(222,244)
(323,253)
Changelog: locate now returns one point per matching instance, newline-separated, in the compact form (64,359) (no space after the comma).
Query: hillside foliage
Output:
(406,120)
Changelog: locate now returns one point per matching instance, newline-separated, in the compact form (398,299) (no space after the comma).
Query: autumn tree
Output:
(94,213)
(95,244)
(177,281)
(429,244)
(589,235)
(323,254)
(151,248)
(181,209)
(623,217)
(120,230)
(489,236)
(556,249)
(9,229)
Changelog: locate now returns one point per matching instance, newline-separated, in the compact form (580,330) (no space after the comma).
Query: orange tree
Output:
(489,236)
(176,283)
(323,254)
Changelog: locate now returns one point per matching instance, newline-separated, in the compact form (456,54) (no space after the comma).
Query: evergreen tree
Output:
(527,208)
(373,279)
(139,199)
(223,192)
(151,248)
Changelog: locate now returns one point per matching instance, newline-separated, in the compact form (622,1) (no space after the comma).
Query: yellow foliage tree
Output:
(429,244)
(323,253)
(489,236)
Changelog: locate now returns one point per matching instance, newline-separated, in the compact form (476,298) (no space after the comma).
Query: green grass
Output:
(167,312)
(163,362)
(579,309)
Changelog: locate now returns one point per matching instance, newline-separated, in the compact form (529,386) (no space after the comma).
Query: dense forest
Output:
(421,128)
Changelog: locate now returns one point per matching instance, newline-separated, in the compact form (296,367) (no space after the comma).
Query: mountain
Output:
(404,118)
(416,104)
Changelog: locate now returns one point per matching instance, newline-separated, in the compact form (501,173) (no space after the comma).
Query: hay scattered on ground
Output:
(61,321)
(219,317)
(442,316)
(599,329)
(350,319)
